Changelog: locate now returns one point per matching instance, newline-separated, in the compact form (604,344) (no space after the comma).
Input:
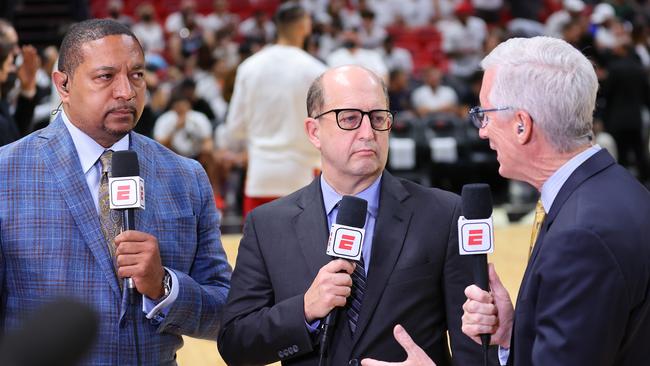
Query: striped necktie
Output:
(358,289)
(540,215)
(111,220)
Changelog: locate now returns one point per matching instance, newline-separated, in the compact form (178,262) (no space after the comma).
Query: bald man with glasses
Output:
(284,284)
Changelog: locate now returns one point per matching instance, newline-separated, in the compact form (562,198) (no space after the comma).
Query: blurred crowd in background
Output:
(427,51)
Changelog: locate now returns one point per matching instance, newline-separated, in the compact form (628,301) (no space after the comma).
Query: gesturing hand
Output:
(415,356)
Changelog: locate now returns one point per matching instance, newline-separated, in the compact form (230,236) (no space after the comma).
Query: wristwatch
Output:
(167,286)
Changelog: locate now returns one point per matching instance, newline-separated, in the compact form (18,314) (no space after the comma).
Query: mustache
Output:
(130,107)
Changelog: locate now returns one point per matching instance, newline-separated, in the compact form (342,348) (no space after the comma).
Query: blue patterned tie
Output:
(358,289)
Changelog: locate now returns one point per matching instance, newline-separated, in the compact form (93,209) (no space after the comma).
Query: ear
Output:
(62,84)
(523,127)
(312,128)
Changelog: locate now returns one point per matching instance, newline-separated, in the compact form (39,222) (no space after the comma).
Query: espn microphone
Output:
(126,190)
(345,241)
(58,334)
(476,234)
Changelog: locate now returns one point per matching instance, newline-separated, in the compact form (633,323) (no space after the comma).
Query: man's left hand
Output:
(415,355)
(138,257)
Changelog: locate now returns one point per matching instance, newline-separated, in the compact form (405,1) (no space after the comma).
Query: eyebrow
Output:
(138,66)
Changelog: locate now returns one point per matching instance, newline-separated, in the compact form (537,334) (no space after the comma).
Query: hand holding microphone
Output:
(137,253)
(330,289)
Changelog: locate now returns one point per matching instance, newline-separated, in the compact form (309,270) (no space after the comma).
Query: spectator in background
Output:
(352,54)
(462,42)
(185,44)
(210,89)
(188,88)
(257,26)
(399,94)
(432,97)
(395,58)
(488,10)
(182,129)
(21,95)
(220,18)
(371,34)
(572,9)
(267,109)
(607,27)
(115,11)
(177,20)
(8,129)
(626,92)
(148,30)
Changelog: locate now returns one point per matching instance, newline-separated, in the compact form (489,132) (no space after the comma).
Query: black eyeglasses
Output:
(350,119)
(478,117)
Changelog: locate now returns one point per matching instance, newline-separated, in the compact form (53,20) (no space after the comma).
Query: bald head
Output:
(345,77)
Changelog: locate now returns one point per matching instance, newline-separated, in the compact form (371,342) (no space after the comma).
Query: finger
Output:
(405,340)
(495,282)
(339,265)
(475,307)
(475,293)
(341,279)
(134,235)
(124,260)
(373,362)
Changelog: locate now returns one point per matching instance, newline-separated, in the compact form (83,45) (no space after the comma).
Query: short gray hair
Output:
(549,79)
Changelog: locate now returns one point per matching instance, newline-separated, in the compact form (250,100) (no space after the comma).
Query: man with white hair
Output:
(585,295)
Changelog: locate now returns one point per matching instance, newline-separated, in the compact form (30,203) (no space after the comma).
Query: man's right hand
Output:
(331,287)
(488,313)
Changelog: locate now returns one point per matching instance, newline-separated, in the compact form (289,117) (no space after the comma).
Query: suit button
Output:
(295,348)
(281,354)
(353,362)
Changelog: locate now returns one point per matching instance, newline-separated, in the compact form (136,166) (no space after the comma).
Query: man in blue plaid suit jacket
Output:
(51,243)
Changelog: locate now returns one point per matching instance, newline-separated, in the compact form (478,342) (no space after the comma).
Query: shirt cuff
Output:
(504,353)
(159,310)
(313,326)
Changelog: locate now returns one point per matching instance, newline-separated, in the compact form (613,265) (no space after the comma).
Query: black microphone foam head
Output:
(58,334)
(352,211)
(125,164)
(477,201)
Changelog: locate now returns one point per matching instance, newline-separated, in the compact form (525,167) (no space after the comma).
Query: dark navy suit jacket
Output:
(585,295)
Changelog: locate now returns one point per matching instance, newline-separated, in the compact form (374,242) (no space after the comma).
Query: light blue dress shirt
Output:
(89,151)
(370,194)
(549,191)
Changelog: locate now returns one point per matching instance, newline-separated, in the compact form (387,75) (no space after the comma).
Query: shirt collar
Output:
(370,194)
(552,186)
(88,149)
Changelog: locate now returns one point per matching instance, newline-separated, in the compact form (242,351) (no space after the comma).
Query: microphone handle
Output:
(326,328)
(128,223)
(482,281)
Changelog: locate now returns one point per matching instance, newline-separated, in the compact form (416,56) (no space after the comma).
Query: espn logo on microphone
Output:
(345,242)
(475,236)
(126,192)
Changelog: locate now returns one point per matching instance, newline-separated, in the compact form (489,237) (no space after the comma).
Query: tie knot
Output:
(106,160)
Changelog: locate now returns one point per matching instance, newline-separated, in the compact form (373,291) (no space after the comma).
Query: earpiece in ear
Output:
(520,128)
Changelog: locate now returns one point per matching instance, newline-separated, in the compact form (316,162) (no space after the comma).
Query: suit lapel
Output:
(311,227)
(60,156)
(145,219)
(599,161)
(388,239)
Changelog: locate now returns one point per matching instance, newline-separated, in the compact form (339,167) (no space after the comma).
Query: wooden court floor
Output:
(511,251)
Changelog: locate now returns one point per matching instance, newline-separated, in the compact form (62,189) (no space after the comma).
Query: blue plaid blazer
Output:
(51,245)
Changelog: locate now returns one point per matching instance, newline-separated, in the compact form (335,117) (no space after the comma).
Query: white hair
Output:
(549,79)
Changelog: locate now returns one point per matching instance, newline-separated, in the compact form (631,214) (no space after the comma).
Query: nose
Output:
(123,89)
(365,131)
(482,132)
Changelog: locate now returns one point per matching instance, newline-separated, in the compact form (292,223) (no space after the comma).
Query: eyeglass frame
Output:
(481,123)
(391,114)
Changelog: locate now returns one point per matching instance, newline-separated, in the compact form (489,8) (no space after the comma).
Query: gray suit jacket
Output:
(416,278)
